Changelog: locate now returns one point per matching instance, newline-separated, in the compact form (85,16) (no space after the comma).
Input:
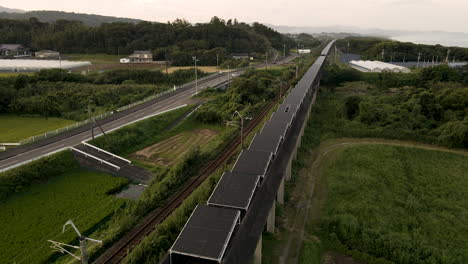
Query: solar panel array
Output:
(236,189)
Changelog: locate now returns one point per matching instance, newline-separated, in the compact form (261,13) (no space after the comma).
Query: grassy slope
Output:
(38,213)
(15,128)
(403,204)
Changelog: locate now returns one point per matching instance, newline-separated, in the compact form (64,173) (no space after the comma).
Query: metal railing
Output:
(107,152)
(96,158)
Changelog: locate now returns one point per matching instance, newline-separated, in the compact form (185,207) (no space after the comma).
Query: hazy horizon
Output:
(412,15)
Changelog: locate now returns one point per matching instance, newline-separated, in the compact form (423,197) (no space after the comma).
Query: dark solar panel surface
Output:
(268,141)
(207,232)
(278,126)
(283,116)
(254,162)
(234,190)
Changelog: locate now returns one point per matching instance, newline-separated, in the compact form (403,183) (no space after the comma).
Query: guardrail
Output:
(30,160)
(64,129)
(96,158)
(107,152)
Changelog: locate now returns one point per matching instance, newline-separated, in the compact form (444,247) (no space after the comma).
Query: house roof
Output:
(207,233)
(11,46)
(142,52)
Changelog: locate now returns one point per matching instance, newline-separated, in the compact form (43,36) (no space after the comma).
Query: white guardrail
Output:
(31,160)
(96,158)
(107,152)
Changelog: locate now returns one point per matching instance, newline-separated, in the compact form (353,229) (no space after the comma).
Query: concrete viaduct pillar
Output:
(280,194)
(270,227)
(258,252)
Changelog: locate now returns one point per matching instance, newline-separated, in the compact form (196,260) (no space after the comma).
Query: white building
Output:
(377,66)
(303,51)
(125,60)
(37,65)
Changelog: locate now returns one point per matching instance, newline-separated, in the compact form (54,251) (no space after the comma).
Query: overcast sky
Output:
(448,15)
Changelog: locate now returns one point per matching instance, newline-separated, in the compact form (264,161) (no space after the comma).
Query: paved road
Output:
(172,102)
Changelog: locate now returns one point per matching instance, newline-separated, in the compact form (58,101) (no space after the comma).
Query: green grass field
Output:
(404,205)
(14,128)
(95,58)
(28,219)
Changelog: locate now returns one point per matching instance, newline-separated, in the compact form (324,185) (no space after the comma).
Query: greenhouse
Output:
(37,65)
(377,66)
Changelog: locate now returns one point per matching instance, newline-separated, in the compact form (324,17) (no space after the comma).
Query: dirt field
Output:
(169,151)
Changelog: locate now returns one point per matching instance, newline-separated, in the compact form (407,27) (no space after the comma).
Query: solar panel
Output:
(253,162)
(234,190)
(268,142)
(207,233)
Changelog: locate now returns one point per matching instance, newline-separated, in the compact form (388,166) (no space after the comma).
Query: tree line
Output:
(177,41)
(371,49)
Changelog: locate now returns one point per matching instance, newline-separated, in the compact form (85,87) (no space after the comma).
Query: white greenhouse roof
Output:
(377,66)
(37,65)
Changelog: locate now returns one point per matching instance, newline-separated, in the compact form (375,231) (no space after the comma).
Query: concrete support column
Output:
(280,194)
(288,173)
(271,218)
(258,252)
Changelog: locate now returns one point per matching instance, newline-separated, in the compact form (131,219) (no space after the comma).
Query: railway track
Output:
(120,249)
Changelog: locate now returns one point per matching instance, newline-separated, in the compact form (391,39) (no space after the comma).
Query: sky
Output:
(426,15)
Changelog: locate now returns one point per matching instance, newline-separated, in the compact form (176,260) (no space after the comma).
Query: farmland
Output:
(401,204)
(171,150)
(15,128)
(37,213)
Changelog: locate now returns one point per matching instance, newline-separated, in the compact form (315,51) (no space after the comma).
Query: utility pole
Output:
(284,50)
(348,48)
(432,61)
(233,123)
(447,59)
(266,60)
(217,60)
(281,87)
(297,67)
(419,58)
(383,54)
(196,74)
(84,252)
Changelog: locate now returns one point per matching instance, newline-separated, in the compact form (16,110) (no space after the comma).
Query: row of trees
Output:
(371,49)
(177,41)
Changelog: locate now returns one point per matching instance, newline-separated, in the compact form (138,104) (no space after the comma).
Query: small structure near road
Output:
(242,56)
(139,56)
(14,50)
(303,51)
(47,54)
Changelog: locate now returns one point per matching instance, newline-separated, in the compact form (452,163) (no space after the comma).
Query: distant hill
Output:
(52,16)
(10,10)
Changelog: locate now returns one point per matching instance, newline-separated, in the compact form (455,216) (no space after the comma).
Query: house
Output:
(47,54)
(240,56)
(13,50)
(139,56)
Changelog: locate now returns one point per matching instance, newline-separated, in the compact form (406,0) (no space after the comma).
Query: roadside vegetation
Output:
(15,128)
(56,93)
(37,213)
